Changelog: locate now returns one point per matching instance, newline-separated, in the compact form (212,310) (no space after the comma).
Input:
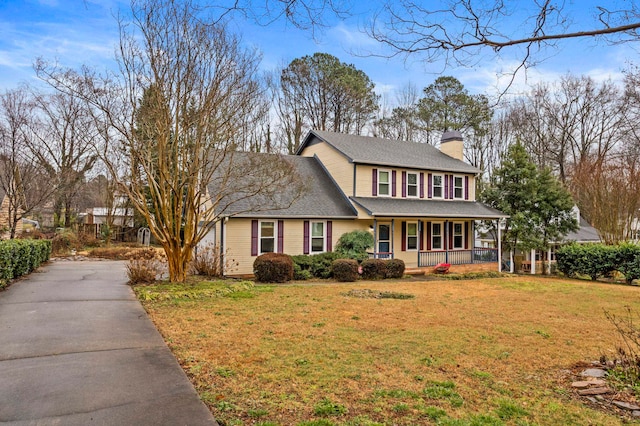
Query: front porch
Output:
(425,259)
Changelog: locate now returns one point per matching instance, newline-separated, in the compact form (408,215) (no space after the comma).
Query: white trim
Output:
(389,182)
(324,236)
(275,236)
(417,185)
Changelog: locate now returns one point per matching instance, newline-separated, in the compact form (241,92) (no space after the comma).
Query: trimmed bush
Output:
(395,268)
(593,260)
(273,268)
(374,269)
(65,241)
(628,261)
(318,265)
(20,257)
(354,245)
(300,274)
(345,270)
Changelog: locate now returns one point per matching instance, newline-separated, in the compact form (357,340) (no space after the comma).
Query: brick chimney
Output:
(452,144)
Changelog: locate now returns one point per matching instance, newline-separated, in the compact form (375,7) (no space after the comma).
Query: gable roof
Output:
(388,152)
(585,233)
(321,197)
(393,207)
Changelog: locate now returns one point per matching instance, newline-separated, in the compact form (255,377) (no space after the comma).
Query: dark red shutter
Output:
(393,183)
(422,233)
(281,236)
(254,238)
(446,187)
(421,185)
(428,236)
(466,187)
(329,236)
(451,187)
(430,186)
(404,184)
(374,180)
(404,236)
(305,239)
(450,235)
(466,236)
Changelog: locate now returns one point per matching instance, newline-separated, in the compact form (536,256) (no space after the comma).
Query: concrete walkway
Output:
(77,348)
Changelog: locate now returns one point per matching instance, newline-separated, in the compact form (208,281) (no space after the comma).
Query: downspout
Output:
(375,238)
(222,237)
(393,227)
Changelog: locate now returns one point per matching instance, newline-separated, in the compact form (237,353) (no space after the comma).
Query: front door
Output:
(384,239)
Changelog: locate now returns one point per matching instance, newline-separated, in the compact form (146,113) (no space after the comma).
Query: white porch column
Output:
(533,261)
(499,248)
(549,261)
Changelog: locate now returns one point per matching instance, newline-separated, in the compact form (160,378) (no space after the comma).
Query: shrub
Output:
(273,268)
(628,261)
(318,265)
(345,270)
(65,241)
(395,268)
(126,253)
(88,239)
(354,245)
(210,262)
(594,260)
(143,271)
(20,257)
(299,273)
(374,269)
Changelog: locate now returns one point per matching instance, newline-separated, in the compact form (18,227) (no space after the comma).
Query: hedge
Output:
(598,260)
(20,257)
(273,268)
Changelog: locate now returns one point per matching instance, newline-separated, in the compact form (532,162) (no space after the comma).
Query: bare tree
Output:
(176,114)
(465,32)
(22,180)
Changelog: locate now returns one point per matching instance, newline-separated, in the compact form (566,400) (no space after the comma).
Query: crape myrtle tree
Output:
(174,112)
(539,207)
(23,181)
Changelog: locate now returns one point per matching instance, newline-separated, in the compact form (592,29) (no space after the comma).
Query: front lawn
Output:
(478,352)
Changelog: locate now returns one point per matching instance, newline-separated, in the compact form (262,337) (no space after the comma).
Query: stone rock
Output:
(593,391)
(593,372)
(625,405)
(592,399)
(636,413)
(587,383)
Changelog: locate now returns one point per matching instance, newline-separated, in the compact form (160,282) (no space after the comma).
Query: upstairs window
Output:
(412,235)
(412,184)
(437,188)
(384,178)
(458,187)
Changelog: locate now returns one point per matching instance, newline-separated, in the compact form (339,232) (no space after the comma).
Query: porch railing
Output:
(458,257)
(381,255)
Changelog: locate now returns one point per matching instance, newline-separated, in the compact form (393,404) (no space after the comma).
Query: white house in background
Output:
(99,216)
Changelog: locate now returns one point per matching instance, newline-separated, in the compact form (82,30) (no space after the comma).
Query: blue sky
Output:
(76,32)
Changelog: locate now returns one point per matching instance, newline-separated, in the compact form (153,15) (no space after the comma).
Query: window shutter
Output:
(466,236)
(466,187)
(450,236)
(421,185)
(430,186)
(393,183)
(421,223)
(329,236)
(404,236)
(428,236)
(254,238)
(451,187)
(446,187)
(305,239)
(374,180)
(281,236)
(404,184)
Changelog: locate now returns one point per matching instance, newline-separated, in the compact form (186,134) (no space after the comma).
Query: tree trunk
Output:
(177,261)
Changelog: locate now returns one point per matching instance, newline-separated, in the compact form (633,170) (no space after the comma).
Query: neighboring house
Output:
(417,201)
(100,215)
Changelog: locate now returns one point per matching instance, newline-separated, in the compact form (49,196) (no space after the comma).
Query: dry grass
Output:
(492,351)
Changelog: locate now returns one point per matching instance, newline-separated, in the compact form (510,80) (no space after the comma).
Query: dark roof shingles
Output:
(427,208)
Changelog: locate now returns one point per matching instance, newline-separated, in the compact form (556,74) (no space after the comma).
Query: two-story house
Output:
(416,200)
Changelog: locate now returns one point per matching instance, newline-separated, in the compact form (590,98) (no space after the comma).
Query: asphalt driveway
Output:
(77,348)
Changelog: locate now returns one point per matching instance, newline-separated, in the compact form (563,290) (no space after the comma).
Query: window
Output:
(437,186)
(317,237)
(458,188)
(412,235)
(384,177)
(436,236)
(412,184)
(458,235)
(267,237)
